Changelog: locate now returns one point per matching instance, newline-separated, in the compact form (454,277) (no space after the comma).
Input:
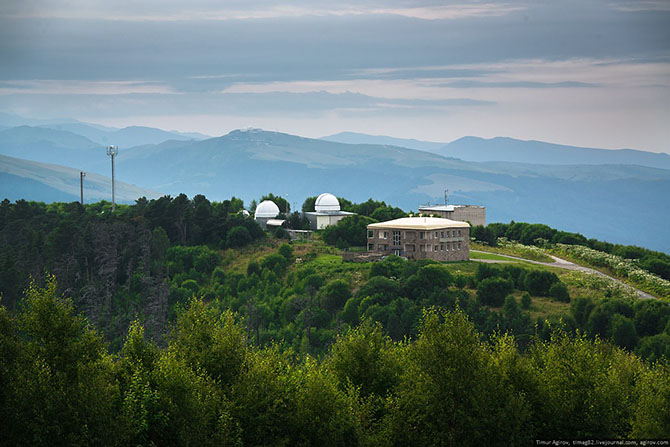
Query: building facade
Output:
(421,238)
(474,214)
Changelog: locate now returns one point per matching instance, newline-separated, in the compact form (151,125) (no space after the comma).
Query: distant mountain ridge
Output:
(361,138)
(30,180)
(102,135)
(512,150)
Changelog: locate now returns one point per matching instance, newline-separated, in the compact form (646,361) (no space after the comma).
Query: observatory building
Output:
(421,238)
(266,214)
(326,212)
(474,214)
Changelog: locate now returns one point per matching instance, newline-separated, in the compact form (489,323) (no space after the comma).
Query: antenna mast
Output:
(112,151)
(446,197)
(82,174)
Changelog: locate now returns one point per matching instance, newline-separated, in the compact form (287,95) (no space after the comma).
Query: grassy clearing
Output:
(544,307)
(490,256)
(462,267)
(514,249)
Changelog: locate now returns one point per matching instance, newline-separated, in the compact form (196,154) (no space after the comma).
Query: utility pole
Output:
(446,197)
(82,174)
(112,151)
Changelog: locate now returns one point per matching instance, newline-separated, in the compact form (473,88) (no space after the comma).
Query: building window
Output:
(409,248)
(422,248)
(459,245)
(420,234)
(396,238)
(435,248)
(459,232)
(396,252)
(386,234)
(441,247)
(371,234)
(436,235)
(441,233)
(371,247)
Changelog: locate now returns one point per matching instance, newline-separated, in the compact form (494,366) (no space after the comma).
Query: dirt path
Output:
(562,263)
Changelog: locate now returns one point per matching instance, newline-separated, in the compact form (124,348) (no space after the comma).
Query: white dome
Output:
(266,209)
(326,202)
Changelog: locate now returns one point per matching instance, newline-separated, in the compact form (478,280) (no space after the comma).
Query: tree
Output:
(63,392)
(238,236)
(308,204)
(351,229)
(492,291)
(538,282)
(559,291)
(485,235)
(451,393)
(335,294)
(623,332)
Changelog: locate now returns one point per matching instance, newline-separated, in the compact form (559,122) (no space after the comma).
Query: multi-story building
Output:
(474,214)
(420,238)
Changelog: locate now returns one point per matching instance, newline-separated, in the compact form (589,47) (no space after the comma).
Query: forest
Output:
(210,385)
(180,321)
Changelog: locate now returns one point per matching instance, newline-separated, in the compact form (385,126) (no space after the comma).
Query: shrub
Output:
(492,291)
(526,301)
(538,282)
(237,237)
(559,291)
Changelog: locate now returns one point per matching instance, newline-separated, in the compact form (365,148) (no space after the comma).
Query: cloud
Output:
(517,84)
(77,87)
(197,10)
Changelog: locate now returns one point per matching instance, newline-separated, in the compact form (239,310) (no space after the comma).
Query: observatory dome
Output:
(326,202)
(266,209)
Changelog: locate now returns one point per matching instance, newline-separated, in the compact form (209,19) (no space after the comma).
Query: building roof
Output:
(326,202)
(266,209)
(420,223)
(445,207)
(275,222)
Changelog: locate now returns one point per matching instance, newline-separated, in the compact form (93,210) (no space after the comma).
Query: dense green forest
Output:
(211,386)
(179,321)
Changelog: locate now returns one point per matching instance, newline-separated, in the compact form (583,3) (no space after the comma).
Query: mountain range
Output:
(622,203)
(513,150)
(44,182)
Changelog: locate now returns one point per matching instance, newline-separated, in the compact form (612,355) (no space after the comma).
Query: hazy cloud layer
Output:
(578,72)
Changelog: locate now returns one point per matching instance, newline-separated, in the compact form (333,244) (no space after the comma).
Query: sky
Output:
(590,73)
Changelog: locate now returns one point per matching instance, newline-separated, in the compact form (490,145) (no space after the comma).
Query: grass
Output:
(490,256)
(518,250)
(462,267)
(545,307)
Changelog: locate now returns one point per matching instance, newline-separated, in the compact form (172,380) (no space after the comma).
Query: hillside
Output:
(361,138)
(249,164)
(29,180)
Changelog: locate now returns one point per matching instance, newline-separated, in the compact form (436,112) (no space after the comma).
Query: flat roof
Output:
(446,207)
(420,223)
(275,222)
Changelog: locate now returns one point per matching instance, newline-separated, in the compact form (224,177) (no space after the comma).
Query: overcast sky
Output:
(585,72)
